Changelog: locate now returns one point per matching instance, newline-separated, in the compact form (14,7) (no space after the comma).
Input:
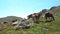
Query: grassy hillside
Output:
(53,28)
(10,19)
(54,10)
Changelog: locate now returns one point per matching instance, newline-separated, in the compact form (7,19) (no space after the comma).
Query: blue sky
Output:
(22,8)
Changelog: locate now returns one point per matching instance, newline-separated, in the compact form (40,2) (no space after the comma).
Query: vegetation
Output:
(53,28)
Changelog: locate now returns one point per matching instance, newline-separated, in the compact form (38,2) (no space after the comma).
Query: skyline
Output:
(22,8)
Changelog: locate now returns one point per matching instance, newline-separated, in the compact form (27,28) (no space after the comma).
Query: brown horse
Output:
(35,17)
(50,16)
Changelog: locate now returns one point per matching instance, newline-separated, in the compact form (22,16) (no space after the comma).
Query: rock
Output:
(24,24)
(45,28)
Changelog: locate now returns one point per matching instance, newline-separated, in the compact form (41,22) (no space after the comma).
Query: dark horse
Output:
(29,16)
(50,16)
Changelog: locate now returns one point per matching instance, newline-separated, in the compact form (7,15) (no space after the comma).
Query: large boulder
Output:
(24,24)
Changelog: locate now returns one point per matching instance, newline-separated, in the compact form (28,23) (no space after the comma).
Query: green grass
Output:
(53,28)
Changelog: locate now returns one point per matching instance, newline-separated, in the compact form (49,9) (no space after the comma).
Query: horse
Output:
(29,16)
(35,17)
(50,16)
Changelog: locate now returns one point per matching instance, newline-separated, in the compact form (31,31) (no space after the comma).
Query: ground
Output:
(52,28)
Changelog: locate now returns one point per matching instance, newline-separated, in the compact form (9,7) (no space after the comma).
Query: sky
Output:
(22,8)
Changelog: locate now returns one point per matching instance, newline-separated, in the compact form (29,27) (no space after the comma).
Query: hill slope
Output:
(55,10)
(53,28)
(10,18)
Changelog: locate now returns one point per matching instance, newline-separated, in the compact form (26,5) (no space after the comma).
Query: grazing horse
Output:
(35,17)
(49,15)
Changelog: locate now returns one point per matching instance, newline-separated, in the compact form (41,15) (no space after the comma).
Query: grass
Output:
(53,28)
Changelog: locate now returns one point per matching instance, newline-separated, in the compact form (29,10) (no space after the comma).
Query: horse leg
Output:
(53,18)
(37,19)
(46,19)
(34,19)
